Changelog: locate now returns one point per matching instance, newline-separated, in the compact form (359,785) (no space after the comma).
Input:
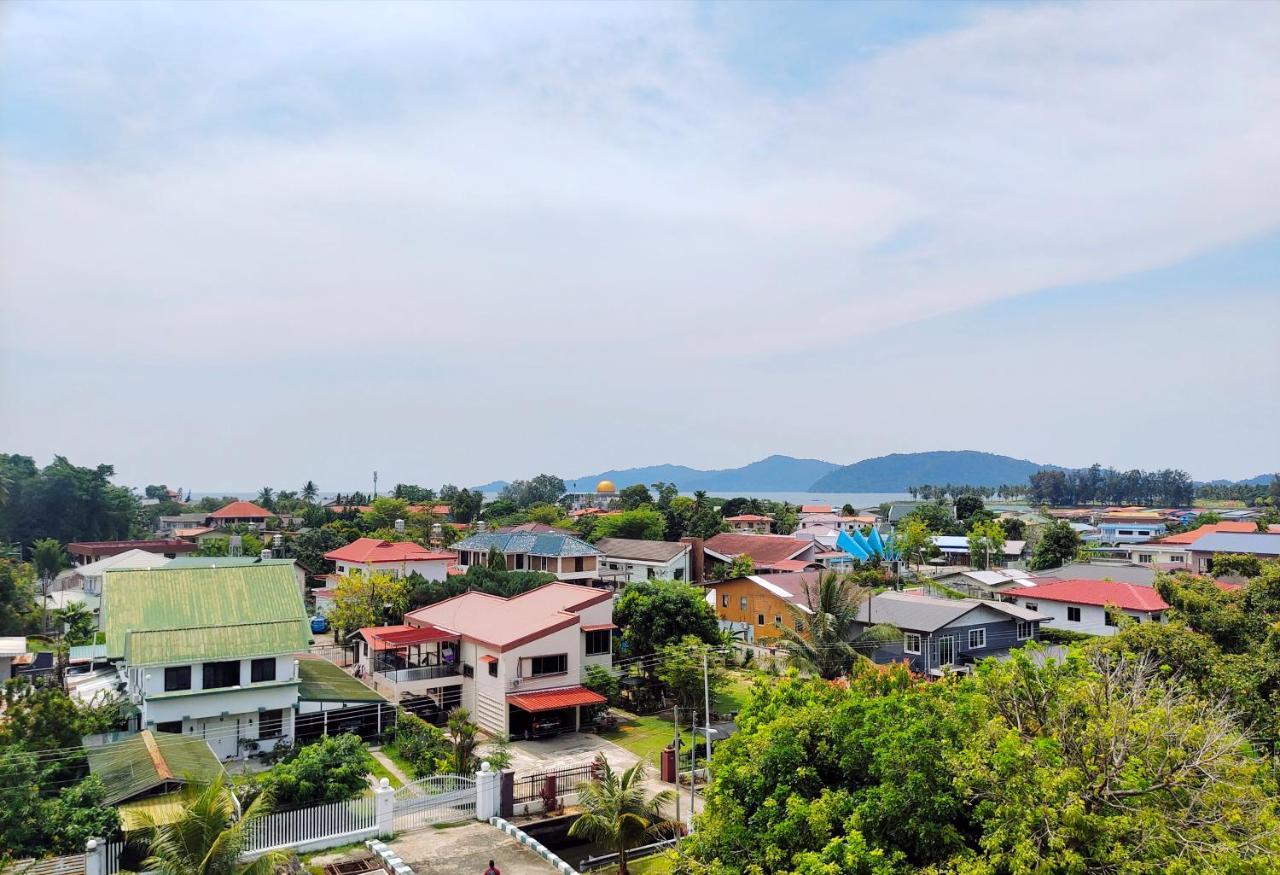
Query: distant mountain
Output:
(899,471)
(491,487)
(1260,480)
(773,474)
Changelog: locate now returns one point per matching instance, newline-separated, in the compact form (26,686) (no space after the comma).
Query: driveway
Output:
(467,850)
(566,751)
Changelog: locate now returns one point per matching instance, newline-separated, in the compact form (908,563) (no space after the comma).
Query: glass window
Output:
(742,605)
(1025,630)
(724,603)
(170,726)
(545,665)
(177,678)
(1073,615)
(911,643)
(777,620)
(598,642)
(578,563)
(221,674)
(262,670)
(1110,618)
(977,639)
(519,562)
(271,723)
(1031,606)
(493,668)
(759,622)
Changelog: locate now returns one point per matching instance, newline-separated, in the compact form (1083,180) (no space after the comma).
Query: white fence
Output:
(106,861)
(335,823)
(437,799)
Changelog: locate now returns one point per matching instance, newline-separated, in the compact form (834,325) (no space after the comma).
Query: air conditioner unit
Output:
(515,682)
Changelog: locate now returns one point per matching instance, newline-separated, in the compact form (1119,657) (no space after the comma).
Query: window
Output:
(271,723)
(1144,558)
(650,573)
(540,666)
(1156,618)
(759,619)
(977,639)
(911,643)
(1025,630)
(742,603)
(262,670)
(468,671)
(170,726)
(519,562)
(946,650)
(679,574)
(724,601)
(1110,618)
(177,678)
(578,563)
(1031,606)
(1124,532)
(598,642)
(221,674)
(493,668)
(777,620)
(1073,615)
(799,625)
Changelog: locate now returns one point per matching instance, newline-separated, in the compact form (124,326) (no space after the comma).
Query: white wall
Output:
(638,571)
(1093,619)
(430,569)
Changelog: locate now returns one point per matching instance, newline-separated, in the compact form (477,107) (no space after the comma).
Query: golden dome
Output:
(606,486)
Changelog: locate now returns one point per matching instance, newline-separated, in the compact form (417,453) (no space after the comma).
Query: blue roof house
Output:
(565,556)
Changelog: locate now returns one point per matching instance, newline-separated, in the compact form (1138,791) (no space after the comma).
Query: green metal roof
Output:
(322,681)
(222,562)
(201,603)
(148,760)
(167,646)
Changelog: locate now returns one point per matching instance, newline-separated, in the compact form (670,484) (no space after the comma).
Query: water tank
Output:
(265,554)
(482,527)
(277,540)
(399,525)
(235,547)
(437,530)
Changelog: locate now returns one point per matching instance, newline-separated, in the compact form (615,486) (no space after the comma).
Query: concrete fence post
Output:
(488,792)
(95,857)
(384,808)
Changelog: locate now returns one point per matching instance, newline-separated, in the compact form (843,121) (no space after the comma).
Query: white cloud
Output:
(558,182)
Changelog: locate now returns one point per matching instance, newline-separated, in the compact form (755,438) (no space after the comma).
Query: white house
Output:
(565,556)
(516,664)
(645,560)
(1082,605)
(10,649)
(750,523)
(209,652)
(397,558)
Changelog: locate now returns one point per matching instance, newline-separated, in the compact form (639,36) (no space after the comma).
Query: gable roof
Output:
(763,549)
(506,623)
(537,543)
(788,587)
(322,681)
(1096,592)
(148,760)
(1242,528)
(200,603)
(1228,542)
(748,518)
(368,551)
(914,611)
(641,551)
(1140,575)
(222,561)
(127,559)
(240,510)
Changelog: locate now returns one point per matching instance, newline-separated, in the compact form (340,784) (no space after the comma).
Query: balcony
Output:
(419,673)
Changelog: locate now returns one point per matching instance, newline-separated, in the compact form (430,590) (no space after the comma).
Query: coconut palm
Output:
(617,811)
(267,497)
(310,492)
(827,641)
(207,838)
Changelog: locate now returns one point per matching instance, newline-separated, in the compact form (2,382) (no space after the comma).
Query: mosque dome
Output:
(606,486)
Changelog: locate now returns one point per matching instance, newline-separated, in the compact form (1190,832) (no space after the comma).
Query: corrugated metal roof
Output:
(222,561)
(322,681)
(641,551)
(537,543)
(553,700)
(147,760)
(1229,542)
(241,641)
(197,600)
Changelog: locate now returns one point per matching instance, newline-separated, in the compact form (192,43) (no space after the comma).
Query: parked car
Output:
(542,727)
(319,624)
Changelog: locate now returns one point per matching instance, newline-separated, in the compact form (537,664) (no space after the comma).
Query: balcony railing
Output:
(421,673)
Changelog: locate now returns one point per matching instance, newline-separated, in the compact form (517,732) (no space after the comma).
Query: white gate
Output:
(437,799)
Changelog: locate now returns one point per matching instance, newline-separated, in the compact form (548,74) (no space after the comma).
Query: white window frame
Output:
(982,644)
(1026,629)
(906,643)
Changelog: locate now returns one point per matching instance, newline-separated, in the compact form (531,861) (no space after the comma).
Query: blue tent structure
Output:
(863,547)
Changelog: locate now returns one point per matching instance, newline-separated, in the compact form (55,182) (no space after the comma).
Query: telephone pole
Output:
(706,701)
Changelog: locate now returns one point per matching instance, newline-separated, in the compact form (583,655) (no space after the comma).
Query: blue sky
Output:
(243,243)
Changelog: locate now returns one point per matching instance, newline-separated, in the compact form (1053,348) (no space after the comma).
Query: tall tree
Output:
(1058,544)
(267,498)
(657,612)
(310,492)
(822,636)
(207,838)
(986,544)
(618,810)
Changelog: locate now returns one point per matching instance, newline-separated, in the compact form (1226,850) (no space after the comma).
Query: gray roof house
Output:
(942,632)
(565,556)
(1264,546)
(630,560)
(1124,572)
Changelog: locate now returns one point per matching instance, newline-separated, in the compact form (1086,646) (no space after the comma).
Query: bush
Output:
(422,745)
(333,769)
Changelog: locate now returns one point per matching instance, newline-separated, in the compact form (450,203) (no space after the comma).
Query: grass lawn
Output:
(391,752)
(735,693)
(380,771)
(658,864)
(644,736)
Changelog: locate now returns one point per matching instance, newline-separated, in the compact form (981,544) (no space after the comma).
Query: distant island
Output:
(899,471)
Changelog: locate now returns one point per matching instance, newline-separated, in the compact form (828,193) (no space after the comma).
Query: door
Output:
(946,650)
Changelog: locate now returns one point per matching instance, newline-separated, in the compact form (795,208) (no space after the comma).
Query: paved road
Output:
(466,850)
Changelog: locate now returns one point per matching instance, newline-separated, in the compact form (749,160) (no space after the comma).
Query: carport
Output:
(527,712)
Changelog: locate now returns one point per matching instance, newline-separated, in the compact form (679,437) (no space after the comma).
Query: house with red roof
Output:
(237,513)
(1091,606)
(516,664)
(750,523)
(397,558)
(768,552)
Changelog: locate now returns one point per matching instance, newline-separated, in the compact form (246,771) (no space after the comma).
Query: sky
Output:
(249,244)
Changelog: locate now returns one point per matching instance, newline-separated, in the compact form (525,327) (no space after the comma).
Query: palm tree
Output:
(267,497)
(462,735)
(207,838)
(827,643)
(617,811)
(310,492)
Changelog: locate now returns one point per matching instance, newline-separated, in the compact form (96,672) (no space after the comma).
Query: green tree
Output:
(618,811)
(361,600)
(207,838)
(657,612)
(1014,528)
(41,716)
(824,638)
(644,524)
(600,680)
(43,816)
(914,540)
(680,668)
(1236,564)
(267,498)
(741,566)
(424,746)
(937,518)
(310,492)
(77,623)
(967,505)
(986,544)
(333,769)
(463,738)
(634,496)
(1057,545)
(17,597)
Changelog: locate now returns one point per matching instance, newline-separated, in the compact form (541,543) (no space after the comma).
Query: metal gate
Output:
(437,799)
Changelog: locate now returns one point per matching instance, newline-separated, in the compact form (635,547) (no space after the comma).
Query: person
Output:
(492,870)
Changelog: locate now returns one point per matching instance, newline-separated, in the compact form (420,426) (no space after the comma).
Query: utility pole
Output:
(693,762)
(675,723)
(375,484)
(706,701)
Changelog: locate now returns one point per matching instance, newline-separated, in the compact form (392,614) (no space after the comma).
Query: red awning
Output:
(395,637)
(488,659)
(554,700)
(598,627)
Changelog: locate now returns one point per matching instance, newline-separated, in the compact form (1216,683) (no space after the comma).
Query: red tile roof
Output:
(553,700)
(240,510)
(748,518)
(366,551)
(1208,529)
(506,623)
(400,635)
(1097,592)
(787,565)
(815,508)
(763,549)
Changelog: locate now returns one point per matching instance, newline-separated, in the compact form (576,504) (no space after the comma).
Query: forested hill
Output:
(772,474)
(899,471)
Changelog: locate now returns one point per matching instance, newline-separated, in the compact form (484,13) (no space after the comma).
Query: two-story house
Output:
(565,556)
(1130,527)
(239,513)
(750,523)
(639,560)
(85,552)
(518,663)
(940,634)
(1092,606)
(397,558)
(209,652)
(758,607)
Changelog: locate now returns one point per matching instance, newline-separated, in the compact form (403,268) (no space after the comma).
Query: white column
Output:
(384,808)
(95,857)
(488,792)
